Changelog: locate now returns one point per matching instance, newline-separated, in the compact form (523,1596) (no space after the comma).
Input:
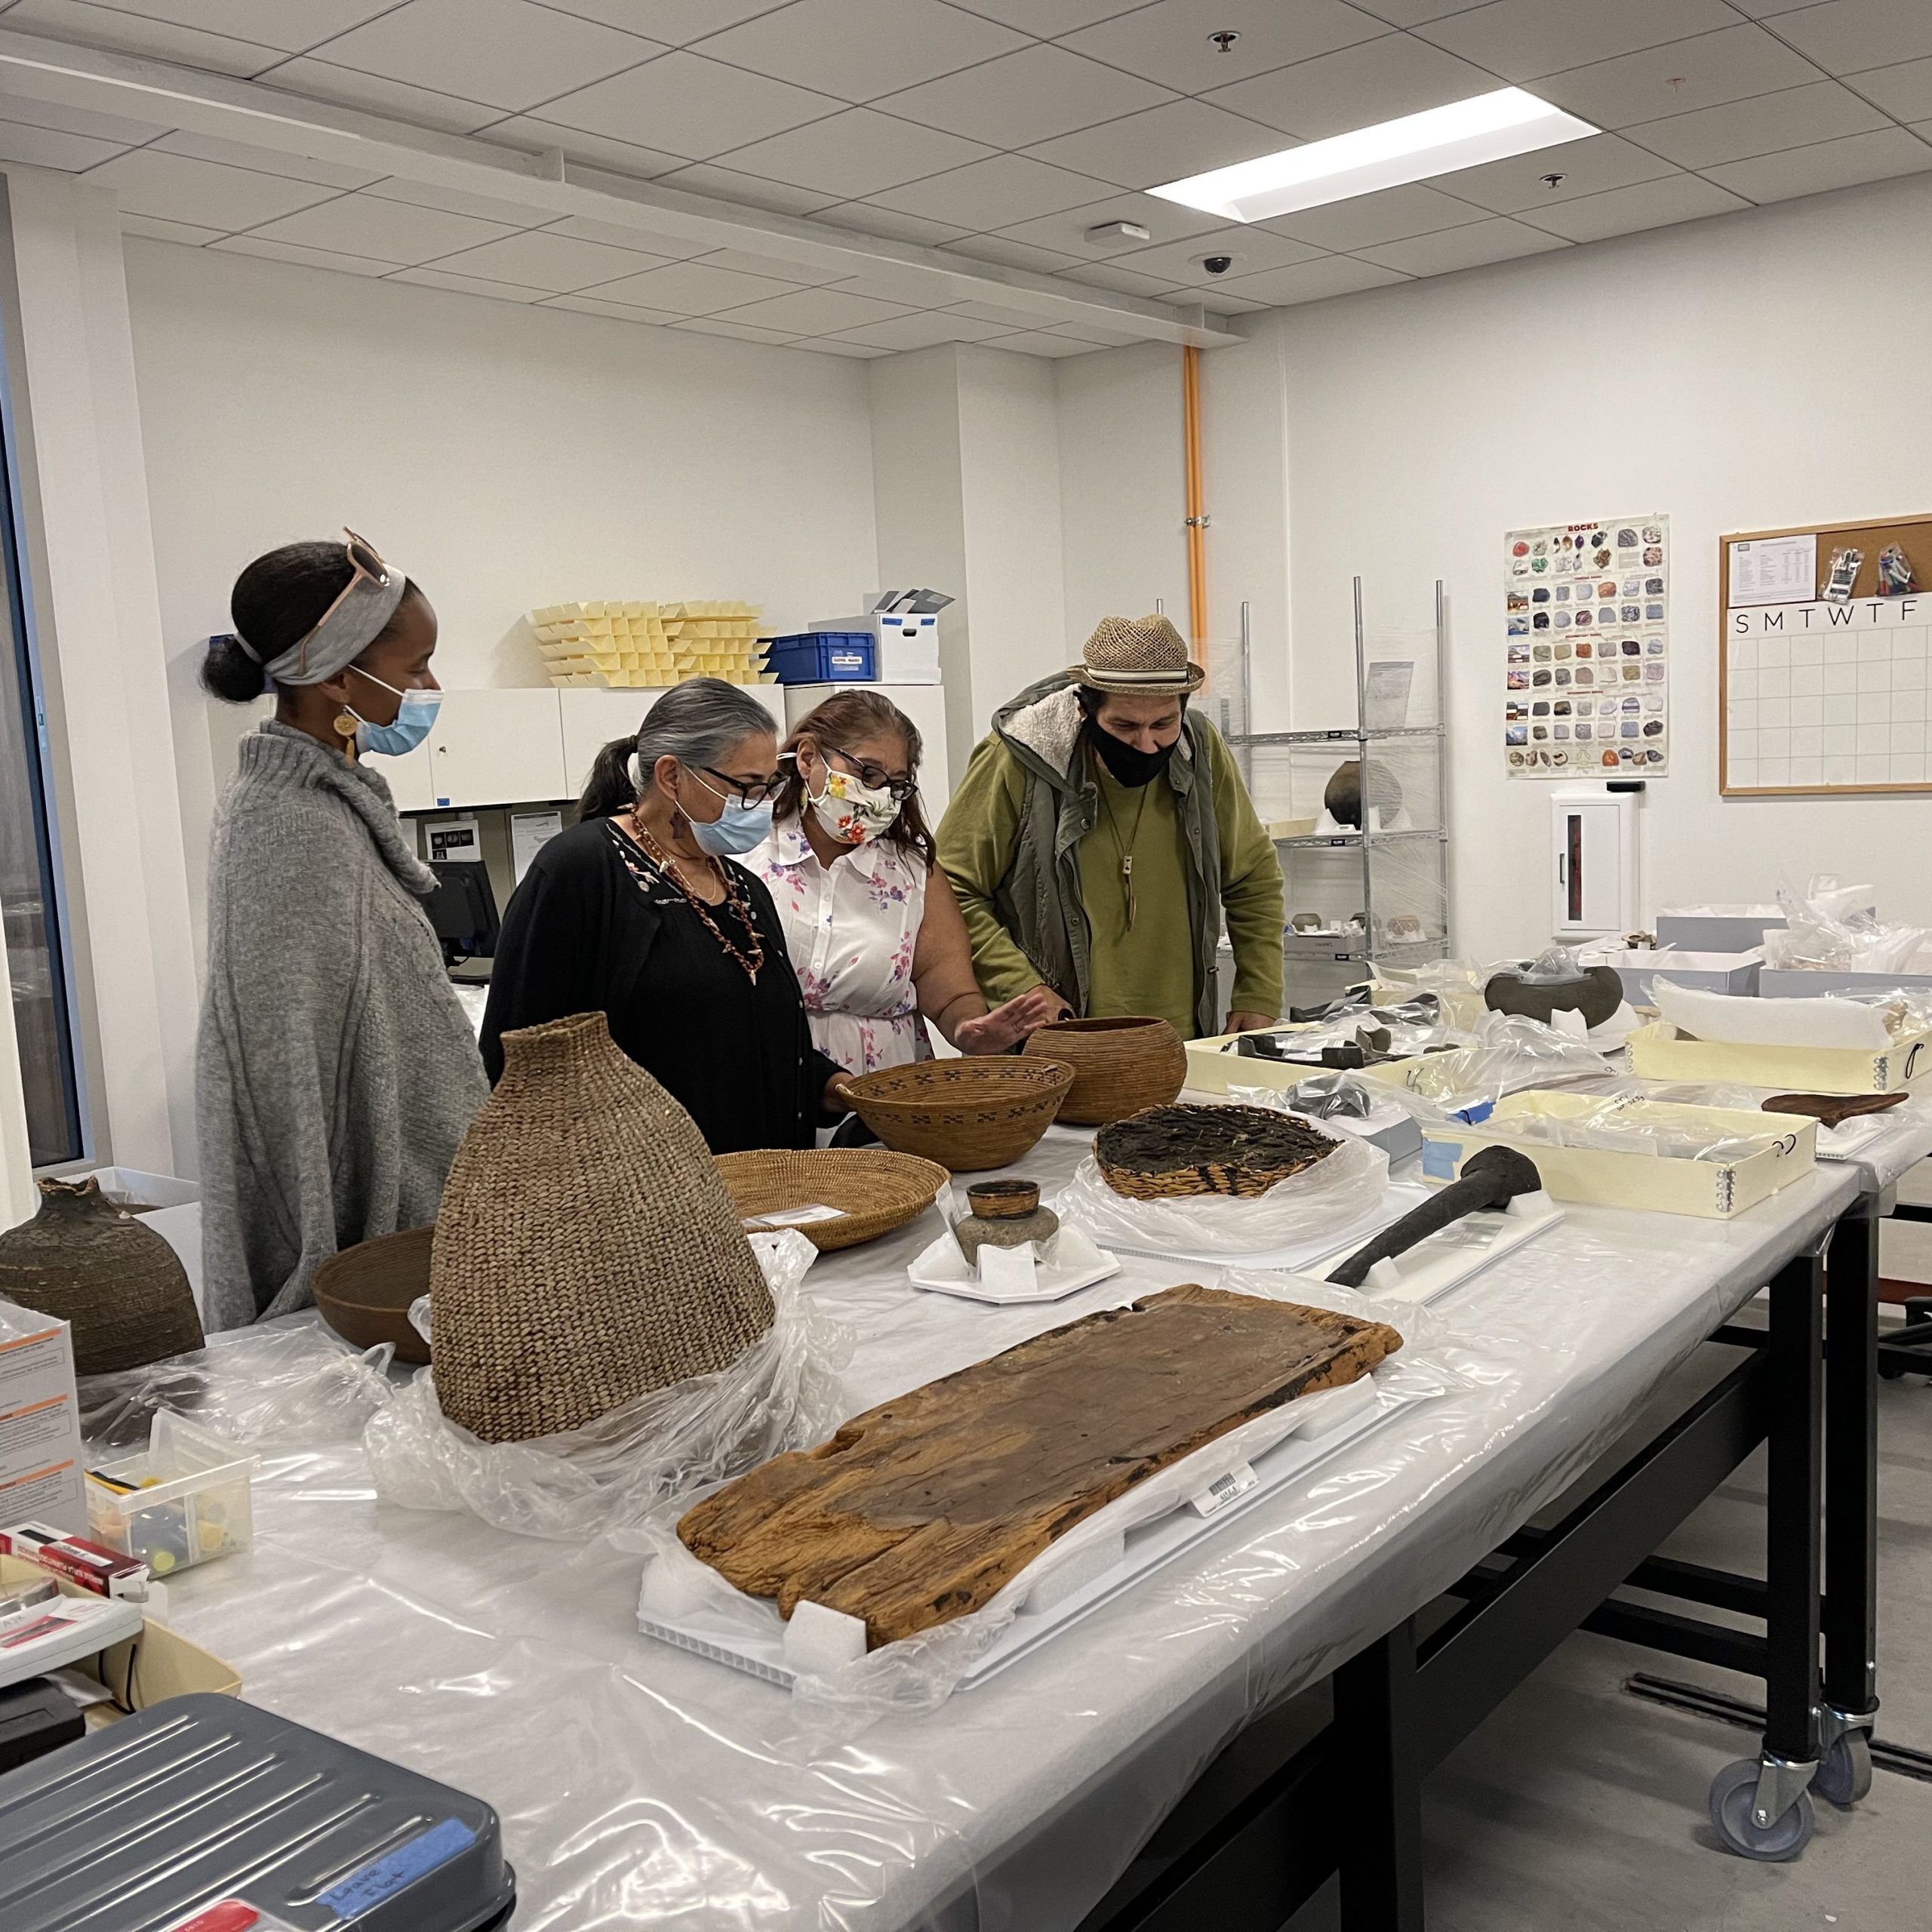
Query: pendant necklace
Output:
(751,963)
(1125,852)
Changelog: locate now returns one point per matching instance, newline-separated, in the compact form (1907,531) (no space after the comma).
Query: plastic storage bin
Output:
(823,657)
(189,1504)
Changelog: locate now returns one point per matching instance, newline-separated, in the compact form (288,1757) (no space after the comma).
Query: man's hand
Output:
(1251,1022)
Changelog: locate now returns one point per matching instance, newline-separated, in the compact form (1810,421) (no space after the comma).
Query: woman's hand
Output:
(993,1032)
(833,1099)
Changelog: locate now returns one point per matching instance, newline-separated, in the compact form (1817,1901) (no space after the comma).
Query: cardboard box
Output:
(41,1467)
(1710,972)
(1650,1182)
(1657,1052)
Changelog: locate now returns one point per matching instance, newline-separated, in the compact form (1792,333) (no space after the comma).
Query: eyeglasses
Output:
(876,777)
(365,565)
(747,791)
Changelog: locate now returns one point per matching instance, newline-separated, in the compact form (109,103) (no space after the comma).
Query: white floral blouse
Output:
(851,931)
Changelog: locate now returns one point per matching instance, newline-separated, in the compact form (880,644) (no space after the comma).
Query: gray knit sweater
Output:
(335,1070)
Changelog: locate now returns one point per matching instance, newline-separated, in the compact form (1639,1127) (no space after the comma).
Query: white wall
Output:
(504,457)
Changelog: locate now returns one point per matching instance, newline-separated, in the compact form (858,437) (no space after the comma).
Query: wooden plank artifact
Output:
(921,1509)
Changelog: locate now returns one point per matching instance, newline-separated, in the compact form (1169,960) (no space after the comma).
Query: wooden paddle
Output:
(1492,1177)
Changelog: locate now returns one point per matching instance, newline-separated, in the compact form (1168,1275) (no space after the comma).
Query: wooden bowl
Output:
(874,1191)
(363,1293)
(967,1114)
(1119,1066)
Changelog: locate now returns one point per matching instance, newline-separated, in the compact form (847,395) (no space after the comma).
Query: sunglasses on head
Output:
(365,565)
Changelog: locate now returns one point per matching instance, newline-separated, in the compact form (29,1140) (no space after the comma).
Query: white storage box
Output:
(1800,983)
(1782,1149)
(189,1504)
(1659,1053)
(905,649)
(1710,972)
(1717,928)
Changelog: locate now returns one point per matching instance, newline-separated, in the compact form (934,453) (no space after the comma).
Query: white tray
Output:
(1432,1268)
(941,1269)
(1148,1547)
(1397,1199)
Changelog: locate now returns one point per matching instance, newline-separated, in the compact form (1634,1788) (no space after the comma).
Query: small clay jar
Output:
(1006,1213)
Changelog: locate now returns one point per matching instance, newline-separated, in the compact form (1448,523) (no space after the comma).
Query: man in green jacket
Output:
(1101,837)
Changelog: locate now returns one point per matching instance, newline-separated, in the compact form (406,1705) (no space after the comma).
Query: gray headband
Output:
(351,624)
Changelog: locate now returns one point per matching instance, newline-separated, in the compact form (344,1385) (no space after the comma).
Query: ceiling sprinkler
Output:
(1225,40)
(1554,180)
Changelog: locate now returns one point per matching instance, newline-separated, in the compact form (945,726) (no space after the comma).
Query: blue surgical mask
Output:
(410,726)
(738,828)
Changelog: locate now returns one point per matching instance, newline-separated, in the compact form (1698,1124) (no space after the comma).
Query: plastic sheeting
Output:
(782,1393)
(1829,928)
(642,1786)
(1507,1054)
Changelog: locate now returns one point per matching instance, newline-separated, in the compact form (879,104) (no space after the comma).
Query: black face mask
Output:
(1126,763)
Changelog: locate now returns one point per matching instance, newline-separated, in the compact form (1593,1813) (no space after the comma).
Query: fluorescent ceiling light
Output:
(1492,127)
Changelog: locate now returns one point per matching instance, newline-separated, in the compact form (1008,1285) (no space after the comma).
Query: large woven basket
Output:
(1167,1153)
(363,1293)
(874,1191)
(1119,1066)
(586,1251)
(967,1114)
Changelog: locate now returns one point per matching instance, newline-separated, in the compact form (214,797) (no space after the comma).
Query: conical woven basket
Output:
(586,1250)
(1119,1066)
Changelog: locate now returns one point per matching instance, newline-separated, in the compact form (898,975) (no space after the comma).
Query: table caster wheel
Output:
(1733,1791)
(1887,1373)
(1845,1772)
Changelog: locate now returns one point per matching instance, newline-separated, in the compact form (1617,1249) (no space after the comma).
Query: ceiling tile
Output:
(508,52)
(674,22)
(118,32)
(1031,95)
(1765,9)
(1169,42)
(376,94)
(1812,171)
(1159,144)
(1066,230)
(1314,282)
(1039,342)
(151,228)
(994,193)
(77,120)
(1625,210)
(827,345)
(1523,39)
(1905,90)
(688,105)
(1047,18)
(459,200)
(1409,13)
(906,287)
(1498,239)
(1096,333)
(1367,221)
(1731,64)
(466,284)
(617,311)
(265,161)
(816,312)
(1253,249)
(531,136)
(846,48)
(727,184)
(864,219)
(49,147)
(178,188)
(1122,280)
(1007,319)
(1792,118)
(558,263)
(924,332)
(855,153)
(395,232)
(1220,302)
(620,235)
(310,258)
(1379,80)
(741,261)
(692,288)
(1844,36)
(293,25)
(1010,253)
(1589,167)
(736,331)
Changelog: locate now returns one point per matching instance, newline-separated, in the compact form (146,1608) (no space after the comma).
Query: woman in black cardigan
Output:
(639,912)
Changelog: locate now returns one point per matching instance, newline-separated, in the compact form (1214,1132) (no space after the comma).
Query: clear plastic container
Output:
(189,1503)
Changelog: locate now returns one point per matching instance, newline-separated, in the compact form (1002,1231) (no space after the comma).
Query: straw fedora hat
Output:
(1136,654)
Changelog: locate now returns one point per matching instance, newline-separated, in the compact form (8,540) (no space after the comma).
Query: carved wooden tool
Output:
(1832,1109)
(1491,1177)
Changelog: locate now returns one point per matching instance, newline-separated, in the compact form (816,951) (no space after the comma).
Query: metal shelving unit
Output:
(1379,893)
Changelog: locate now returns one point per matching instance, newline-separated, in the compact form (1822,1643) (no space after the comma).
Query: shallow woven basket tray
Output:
(983,1111)
(876,1190)
(1167,1153)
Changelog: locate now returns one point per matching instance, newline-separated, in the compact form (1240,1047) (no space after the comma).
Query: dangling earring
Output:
(346,722)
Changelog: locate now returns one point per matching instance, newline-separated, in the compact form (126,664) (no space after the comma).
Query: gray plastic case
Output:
(208,1814)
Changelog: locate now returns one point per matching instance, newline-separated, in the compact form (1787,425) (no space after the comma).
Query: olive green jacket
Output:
(1010,841)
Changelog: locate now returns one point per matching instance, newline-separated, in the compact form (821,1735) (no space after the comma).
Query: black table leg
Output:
(1379,1780)
(1851,1468)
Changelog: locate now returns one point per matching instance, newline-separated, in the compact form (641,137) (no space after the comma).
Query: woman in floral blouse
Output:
(873,929)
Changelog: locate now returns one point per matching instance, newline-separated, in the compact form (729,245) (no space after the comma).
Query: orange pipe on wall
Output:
(1197,520)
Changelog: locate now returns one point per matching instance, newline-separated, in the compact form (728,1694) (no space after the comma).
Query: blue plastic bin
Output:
(823,657)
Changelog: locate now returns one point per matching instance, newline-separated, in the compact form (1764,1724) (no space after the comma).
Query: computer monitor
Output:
(462,910)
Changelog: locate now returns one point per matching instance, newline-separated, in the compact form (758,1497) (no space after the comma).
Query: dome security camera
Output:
(1217,264)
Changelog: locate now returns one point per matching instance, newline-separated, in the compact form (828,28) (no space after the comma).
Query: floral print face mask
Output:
(854,813)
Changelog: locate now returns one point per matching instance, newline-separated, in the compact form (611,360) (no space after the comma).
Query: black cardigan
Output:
(581,935)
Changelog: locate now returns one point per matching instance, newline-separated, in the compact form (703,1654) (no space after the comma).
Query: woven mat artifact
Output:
(1165,1152)
(919,1511)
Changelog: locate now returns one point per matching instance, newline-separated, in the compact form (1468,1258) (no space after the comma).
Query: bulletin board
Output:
(1820,695)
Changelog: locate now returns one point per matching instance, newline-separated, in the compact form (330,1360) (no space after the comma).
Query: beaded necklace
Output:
(752,962)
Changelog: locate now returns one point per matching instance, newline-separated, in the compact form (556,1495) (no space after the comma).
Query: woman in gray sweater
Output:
(335,1070)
